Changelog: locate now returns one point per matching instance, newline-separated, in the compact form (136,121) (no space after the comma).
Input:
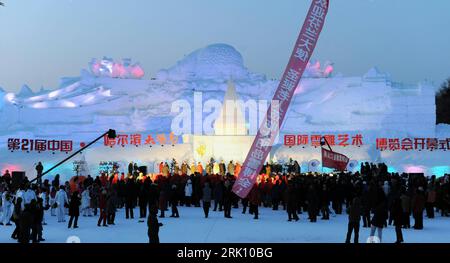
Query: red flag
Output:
(334,160)
(304,47)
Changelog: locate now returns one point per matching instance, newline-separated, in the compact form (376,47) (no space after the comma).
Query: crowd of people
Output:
(372,195)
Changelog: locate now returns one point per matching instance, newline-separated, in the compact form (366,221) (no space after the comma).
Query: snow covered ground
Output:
(192,227)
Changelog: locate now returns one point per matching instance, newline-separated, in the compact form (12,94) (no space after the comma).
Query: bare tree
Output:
(443,103)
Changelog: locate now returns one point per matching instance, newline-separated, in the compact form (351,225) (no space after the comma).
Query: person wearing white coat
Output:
(28,196)
(7,208)
(44,196)
(86,203)
(188,192)
(19,194)
(61,200)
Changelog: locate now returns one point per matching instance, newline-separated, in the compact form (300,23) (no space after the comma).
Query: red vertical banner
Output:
(304,47)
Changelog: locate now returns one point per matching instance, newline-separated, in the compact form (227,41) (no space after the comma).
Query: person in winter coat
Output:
(130,196)
(254,199)
(325,203)
(163,196)
(143,199)
(222,168)
(52,201)
(7,208)
(29,195)
(231,168)
(227,199)
(17,213)
(365,206)
(218,195)
(111,205)
(102,206)
(431,200)
(216,168)
(86,203)
(74,210)
(397,215)
(61,201)
(206,198)
(418,205)
(25,224)
(44,195)
(354,217)
(379,219)
(188,193)
(37,221)
(291,202)
(276,195)
(153,226)
(313,201)
(174,201)
(406,208)
(39,168)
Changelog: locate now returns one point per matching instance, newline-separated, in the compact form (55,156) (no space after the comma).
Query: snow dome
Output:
(217,61)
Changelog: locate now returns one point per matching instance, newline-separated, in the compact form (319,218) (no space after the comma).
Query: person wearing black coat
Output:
(379,218)
(325,203)
(130,196)
(292,202)
(354,217)
(153,196)
(37,229)
(365,205)
(397,217)
(218,195)
(26,223)
(153,226)
(276,195)
(206,198)
(313,201)
(173,199)
(143,198)
(74,210)
(17,212)
(227,199)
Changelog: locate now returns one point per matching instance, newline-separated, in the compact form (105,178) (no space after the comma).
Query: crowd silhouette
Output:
(372,196)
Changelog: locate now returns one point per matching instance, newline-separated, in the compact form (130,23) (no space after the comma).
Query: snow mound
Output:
(217,61)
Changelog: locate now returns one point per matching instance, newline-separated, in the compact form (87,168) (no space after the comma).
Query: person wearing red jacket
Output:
(102,206)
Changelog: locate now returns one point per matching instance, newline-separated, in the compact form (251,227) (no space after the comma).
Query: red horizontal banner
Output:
(334,160)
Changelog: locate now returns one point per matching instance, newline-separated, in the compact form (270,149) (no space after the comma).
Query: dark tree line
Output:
(443,103)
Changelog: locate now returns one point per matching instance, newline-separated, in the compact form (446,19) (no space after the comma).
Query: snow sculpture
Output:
(107,67)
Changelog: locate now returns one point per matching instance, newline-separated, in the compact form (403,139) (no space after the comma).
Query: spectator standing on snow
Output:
(174,201)
(397,215)
(153,226)
(61,201)
(207,192)
(418,205)
(102,207)
(379,219)
(188,193)
(17,214)
(74,210)
(7,207)
(86,202)
(354,217)
(254,199)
